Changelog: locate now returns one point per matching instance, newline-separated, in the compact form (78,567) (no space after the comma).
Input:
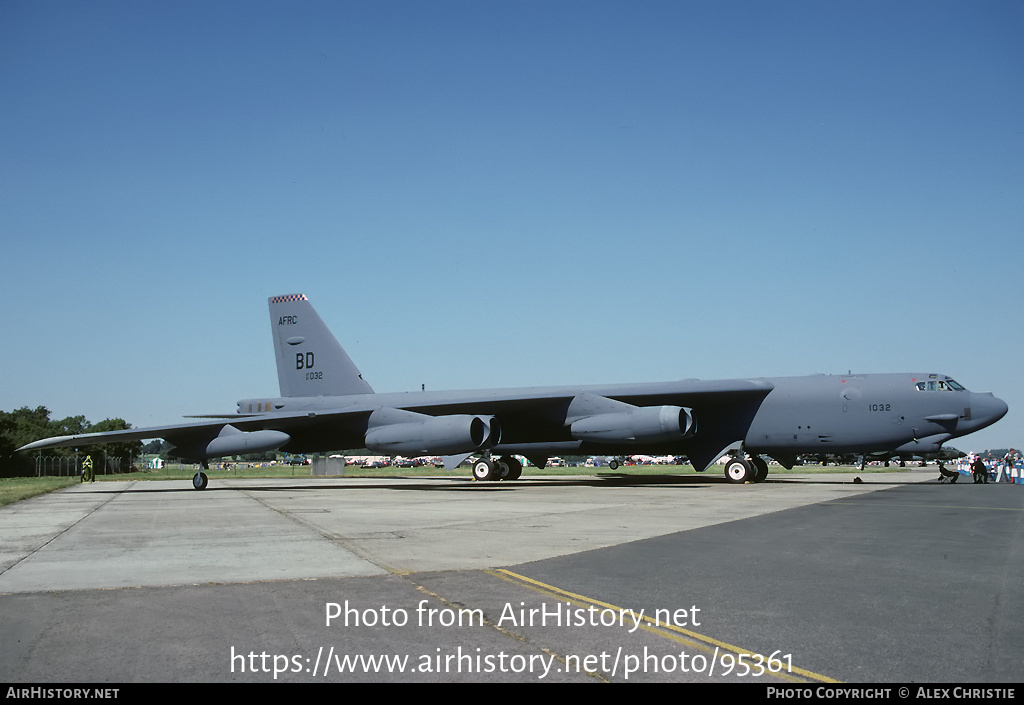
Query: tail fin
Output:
(310,362)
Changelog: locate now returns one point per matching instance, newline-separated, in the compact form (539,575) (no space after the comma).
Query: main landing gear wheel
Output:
(199,481)
(500,469)
(760,468)
(509,468)
(484,470)
(506,467)
(739,471)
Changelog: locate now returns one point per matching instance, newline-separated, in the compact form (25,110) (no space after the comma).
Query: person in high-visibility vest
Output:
(87,474)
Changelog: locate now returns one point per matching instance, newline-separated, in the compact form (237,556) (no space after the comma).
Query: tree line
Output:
(25,425)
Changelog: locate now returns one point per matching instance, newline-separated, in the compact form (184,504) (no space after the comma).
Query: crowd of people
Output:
(1009,468)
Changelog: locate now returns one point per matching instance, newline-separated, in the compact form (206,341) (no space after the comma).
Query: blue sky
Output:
(479,194)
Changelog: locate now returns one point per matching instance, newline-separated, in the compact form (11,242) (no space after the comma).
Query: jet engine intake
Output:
(394,431)
(647,424)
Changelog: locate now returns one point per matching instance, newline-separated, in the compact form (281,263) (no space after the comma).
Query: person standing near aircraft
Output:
(1008,461)
(979,471)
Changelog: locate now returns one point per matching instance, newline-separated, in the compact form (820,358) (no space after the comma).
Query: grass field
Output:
(15,489)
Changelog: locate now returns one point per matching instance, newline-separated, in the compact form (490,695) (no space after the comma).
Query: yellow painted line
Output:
(666,631)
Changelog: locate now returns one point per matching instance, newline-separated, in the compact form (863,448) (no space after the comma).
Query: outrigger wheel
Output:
(200,480)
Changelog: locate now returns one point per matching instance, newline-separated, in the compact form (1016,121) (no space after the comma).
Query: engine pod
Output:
(394,431)
(648,424)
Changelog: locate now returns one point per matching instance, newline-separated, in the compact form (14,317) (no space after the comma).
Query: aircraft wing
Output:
(539,422)
(709,417)
(85,439)
(200,440)
(534,421)
(180,435)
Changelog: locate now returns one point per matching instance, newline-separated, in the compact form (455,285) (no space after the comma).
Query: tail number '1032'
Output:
(880,407)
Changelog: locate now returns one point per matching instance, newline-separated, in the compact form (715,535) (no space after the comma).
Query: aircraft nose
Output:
(987,408)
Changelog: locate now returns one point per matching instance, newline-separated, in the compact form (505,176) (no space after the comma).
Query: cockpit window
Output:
(946,385)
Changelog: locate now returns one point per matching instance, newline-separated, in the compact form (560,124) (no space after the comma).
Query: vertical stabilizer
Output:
(310,362)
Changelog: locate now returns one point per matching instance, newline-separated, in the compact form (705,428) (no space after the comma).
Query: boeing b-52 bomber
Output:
(325,404)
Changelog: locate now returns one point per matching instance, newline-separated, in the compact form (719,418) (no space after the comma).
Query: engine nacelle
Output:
(393,431)
(647,424)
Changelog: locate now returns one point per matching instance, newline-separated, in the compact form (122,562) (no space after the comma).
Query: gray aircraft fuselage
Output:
(781,417)
(325,404)
(865,413)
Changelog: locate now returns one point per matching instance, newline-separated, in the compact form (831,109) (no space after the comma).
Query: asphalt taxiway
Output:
(804,578)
